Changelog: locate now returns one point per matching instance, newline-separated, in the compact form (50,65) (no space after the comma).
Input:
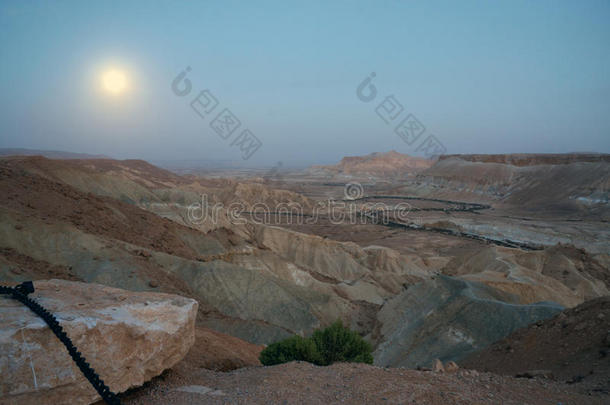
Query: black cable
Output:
(20,293)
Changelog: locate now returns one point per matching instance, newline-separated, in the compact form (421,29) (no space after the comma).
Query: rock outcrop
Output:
(127,337)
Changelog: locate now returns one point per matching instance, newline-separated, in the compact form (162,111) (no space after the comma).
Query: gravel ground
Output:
(304,383)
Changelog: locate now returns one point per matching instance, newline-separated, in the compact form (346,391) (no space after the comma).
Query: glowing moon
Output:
(114,81)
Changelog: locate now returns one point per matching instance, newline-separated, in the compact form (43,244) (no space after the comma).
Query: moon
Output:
(114,81)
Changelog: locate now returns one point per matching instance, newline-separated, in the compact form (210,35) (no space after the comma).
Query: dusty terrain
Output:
(304,383)
(489,245)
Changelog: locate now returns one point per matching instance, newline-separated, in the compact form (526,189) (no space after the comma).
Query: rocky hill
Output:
(447,318)
(561,274)
(573,347)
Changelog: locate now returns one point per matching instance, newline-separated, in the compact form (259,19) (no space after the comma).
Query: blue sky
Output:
(482,77)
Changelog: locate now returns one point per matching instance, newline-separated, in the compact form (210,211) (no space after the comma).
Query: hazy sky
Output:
(482,77)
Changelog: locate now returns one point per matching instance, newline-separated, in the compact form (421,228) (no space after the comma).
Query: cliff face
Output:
(533,159)
(377,164)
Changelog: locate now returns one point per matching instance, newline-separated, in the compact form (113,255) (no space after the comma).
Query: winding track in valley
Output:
(455,206)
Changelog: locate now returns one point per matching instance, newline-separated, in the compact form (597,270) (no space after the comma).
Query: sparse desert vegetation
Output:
(333,344)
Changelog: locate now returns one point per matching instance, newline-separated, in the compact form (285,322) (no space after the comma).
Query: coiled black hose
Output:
(20,293)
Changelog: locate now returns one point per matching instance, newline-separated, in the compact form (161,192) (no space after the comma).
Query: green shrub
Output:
(338,343)
(293,348)
(324,347)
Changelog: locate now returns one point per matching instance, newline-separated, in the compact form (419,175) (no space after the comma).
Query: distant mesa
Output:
(397,165)
(376,164)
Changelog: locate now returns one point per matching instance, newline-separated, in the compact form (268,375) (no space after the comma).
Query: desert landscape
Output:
(472,272)
(320,202)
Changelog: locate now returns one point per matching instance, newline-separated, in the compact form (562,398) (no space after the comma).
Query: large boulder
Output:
(127,337)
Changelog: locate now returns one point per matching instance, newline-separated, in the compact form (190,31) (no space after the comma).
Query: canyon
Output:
(425,259)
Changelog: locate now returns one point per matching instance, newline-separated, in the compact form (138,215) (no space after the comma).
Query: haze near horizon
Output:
(509,77)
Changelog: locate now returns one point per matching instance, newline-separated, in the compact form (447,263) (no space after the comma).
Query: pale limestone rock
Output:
(127,337)
(451,367)
(437,366)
